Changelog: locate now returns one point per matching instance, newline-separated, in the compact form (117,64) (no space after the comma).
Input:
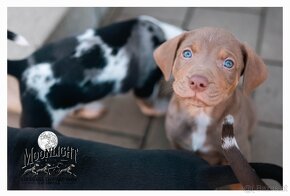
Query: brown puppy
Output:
(207,65)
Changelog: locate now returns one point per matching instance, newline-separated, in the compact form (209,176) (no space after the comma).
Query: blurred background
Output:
(123,124)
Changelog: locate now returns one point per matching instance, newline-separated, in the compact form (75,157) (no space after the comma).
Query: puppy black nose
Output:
(198,83)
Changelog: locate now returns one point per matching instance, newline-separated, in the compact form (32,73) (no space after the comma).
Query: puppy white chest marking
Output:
(199,135)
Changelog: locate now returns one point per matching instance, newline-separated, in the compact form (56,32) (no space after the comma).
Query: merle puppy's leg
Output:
(90,111)
(153,106)
(34,113)
(148,96)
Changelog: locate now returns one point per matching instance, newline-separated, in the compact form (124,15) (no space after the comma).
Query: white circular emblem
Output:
(47,140)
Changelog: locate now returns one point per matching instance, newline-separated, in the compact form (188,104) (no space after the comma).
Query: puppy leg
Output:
(152,108)
(34,112)
(90,111)
(154,104)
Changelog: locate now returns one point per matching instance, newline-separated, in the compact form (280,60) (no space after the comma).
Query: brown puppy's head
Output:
(207,64)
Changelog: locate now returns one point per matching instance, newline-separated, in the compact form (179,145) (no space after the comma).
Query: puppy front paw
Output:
(155,109)
(88,114)
(90,111)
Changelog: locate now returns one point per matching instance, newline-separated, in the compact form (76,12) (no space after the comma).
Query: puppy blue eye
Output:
(187,54)
(228,63)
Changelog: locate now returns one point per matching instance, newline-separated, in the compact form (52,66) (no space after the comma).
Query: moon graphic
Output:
(47,140)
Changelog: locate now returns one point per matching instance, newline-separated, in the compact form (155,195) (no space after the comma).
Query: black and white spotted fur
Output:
(63,76)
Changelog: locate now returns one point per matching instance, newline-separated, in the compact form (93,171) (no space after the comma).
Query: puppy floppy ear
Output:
(255,71)
(165,55)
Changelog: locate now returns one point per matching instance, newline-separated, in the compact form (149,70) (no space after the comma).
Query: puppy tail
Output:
(17,67)
(18,39)
(240,166)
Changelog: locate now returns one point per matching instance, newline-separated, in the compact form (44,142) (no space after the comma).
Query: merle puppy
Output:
(62,77)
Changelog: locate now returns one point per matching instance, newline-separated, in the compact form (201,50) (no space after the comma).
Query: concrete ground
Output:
(125,125)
